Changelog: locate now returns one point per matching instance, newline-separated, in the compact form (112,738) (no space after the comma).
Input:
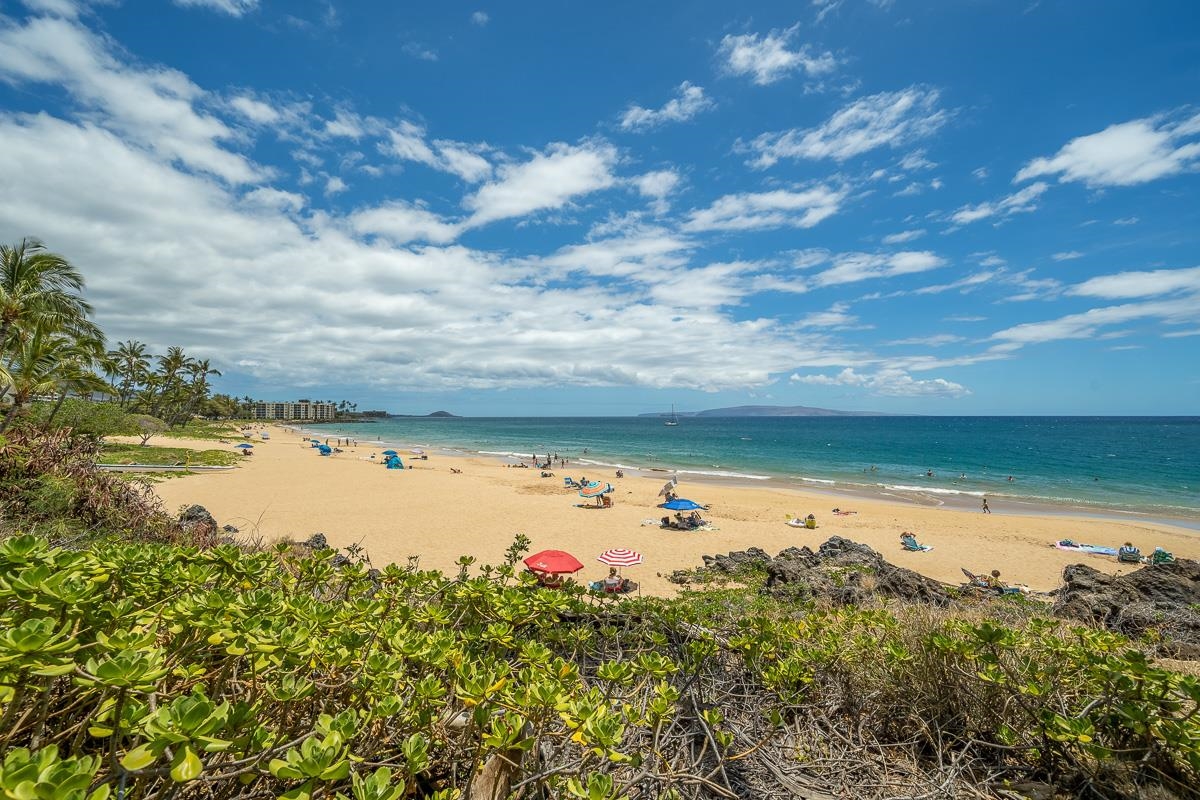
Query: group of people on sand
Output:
(681,523)
(613,583)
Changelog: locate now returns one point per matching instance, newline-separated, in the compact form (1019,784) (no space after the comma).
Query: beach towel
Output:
(1090,549)
(921,548)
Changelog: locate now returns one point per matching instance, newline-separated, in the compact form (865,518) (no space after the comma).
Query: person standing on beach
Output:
(986,510)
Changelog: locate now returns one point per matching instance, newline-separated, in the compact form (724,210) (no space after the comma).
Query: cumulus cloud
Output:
(480,18)
(887,382)
(777,209)
(154,107)
(404,222)
(407,141)
(767,59)
(903,236)
(658,186)
(1088,324)
(1125,154)
(854,267)
(1139,284)
(234,8)
(1019,202)
(690,101)
(548,180)
(887,119)
(326,301)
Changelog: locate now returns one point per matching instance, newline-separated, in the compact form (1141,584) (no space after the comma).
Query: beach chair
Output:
(1161,556)
(909,542)
(810,522)
(571,483)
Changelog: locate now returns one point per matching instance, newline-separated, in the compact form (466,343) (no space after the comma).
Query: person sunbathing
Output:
(909,541)
(613,582)
(1128,554)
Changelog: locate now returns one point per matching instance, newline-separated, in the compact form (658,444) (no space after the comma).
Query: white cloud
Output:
(1019,202)
(888,383)
(407,141)
(154,107)
(980,173)
(935,340)
(916,160)
(234,8)
(403,222)
(775,209)
(335,185)
(1125,154)
(1140,284)
(548,180)
(854,267)
(480,18)
(1086,325)
(316,302)
(767,58)
(419,51)
(903,236)
(690,102)
(255,110)
(965,318)
(836,318)
(658,186)
(1069,255)
(1181,334)
(892,119)
(1126,221)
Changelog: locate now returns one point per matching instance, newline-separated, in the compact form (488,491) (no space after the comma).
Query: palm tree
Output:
(38,287)
(36,368)
(130,363)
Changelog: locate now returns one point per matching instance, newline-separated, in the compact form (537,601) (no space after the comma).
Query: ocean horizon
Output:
(1141,466)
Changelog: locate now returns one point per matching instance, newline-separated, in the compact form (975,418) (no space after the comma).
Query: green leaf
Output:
(186,766)
(139,758)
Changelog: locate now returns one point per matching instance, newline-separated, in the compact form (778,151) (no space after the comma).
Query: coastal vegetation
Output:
(147,670)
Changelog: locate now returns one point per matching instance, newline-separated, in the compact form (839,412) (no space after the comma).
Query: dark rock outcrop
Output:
(1162,598)
(197,521)
(315,542)
(840,570)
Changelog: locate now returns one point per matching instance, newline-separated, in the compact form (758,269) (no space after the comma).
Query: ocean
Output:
(1141,466)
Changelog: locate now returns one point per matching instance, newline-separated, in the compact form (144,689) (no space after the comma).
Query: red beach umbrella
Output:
(620,557)
(553,561)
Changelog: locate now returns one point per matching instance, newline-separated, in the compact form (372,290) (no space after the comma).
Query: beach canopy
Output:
(595,489)
(244,446)
(390,453)
(669,487)
(417,450)
(620,557)
(553,561)
(682,504)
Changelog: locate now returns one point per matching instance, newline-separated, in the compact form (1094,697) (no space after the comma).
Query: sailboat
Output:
(672,420)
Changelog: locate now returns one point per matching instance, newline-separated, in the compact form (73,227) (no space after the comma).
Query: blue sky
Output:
(550,209)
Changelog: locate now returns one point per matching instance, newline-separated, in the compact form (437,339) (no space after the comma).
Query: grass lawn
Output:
(114,453)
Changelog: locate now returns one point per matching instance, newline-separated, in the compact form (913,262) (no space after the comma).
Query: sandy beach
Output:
(287,491)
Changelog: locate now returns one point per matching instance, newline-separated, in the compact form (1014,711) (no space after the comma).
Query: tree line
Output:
(50,349)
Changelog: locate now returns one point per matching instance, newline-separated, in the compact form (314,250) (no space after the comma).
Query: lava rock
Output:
(197,520)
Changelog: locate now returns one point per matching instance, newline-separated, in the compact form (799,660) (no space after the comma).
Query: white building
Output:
(299,409)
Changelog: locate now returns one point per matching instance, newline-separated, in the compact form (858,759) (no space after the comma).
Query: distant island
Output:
(769,411)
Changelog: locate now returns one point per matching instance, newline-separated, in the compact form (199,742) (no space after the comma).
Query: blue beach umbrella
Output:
(390,453)
(682,505)
(244,446)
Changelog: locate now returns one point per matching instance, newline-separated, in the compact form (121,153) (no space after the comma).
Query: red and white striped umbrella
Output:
(620,557)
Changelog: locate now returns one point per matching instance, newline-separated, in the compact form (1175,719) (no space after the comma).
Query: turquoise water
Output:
(1147,466)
